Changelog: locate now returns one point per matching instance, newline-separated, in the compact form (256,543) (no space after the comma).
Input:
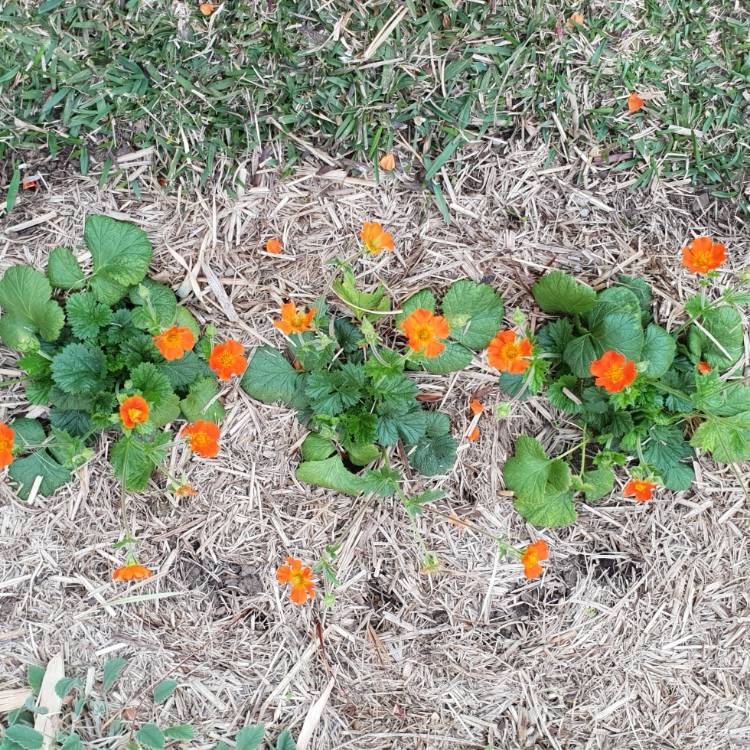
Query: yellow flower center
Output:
(5,444)
(511,351)
(226,359)
(296,578)
(297,320)
(135,414)
(200,439)
(614,373)
(172,338)
(640,486)
(424,334)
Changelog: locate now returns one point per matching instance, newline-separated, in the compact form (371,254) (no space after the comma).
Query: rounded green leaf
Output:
(474,313)
(163,690)
(659,349)
(25,736)
(453,358)
(120,250)
(63,269)
(79,368)
(557,291)
(424,299)
(151,736)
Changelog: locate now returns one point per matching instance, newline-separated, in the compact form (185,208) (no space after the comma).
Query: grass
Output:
(88,80)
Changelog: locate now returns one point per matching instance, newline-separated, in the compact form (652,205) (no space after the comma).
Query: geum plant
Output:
(348,375)
(109,351)
(644,396)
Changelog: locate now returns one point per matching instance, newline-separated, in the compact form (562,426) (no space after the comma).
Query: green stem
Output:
(13,381)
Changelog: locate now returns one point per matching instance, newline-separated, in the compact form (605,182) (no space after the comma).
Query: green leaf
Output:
(68,450)
(360,303)
(79,368)
(73,421)
(717,397)
(615,299)
(530,474)
(72,742)
(269,377)
(249,738)
(664,449)
(25,736)
(121,252)
(134,459)
(112,671)
(317,448)
(453,358)
(424,299)
(727,438)
(597,483)
(86,316)
(413,505)
(63,269)
(553,337)
(151,736)
(155,306)
(35,364)
(557,291)
(474,313)
(200,403)
(164,690)
(579,354)
(552,510)
(358,429)
(151,383)
(558,391)
(34,677)
(179,732)
(67,685)
(435,452)
(285,741)
(642,291)
(720,341)
(330,473)
(183,371)
(38,464)
(383,481)
(29,433)
(27,309)
(394,394)
(12,194)
(659,349)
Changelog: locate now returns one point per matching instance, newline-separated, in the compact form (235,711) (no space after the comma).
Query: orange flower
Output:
(203,437)
(375,238)
(473,435)
(294,320)
(185,490)
(635,102)
(641,489)
(227,359)
(613,371)
(507,354)
(476,406)
(131,572)
(30,184)
(133,411)
(703,255)
(174,342)
(274,246)
(703,367)
(424,331)
(576,19)
(387,162)
(207,8)
(299,578)
(534,554)
(7,435)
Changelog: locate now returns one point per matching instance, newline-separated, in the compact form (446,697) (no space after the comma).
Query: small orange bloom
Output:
(535,553)
(30,184)
(613,371)
(424,331)
(299,578)
(228,359)
(203,437)
(703,367)
(635,102)
(703,255)
(174,342)
(639,488)
(185,490)
(476,406)
(375,238)
(131,572)
(133,411)
(274,246)
(387,162)
(294,320)
(576,19)
(507,354)
(207,8)
(7,435)
(473,435)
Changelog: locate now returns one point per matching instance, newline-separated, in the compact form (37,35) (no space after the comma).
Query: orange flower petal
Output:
(274,246)
(473,435)
(7,437)
(375,238)
(228,359)
(131,572)
(293,320)
(703,255)
(387,162)
(476,406)
(635,102)
(134,410)
(203,437)
(508,354)
(613,371)
(424,331)
(173,343)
